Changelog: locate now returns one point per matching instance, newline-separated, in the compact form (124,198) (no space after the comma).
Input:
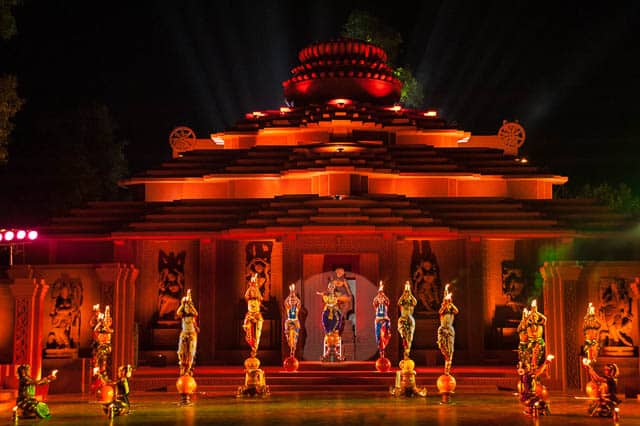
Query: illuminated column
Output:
(117,282)
(28,293)
(558,278)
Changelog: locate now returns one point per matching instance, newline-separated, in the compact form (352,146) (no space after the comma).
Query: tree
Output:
(363,26)
(619,198)
(8,27)
(67,158)
(10,102)
(412,93)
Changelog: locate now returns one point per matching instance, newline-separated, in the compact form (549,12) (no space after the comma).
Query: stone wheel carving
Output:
(512,134)
(182,139)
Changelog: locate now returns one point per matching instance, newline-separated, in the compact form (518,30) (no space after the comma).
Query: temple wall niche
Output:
(84,290)
(6,324)
(154,274)
(237,260)
(494,252)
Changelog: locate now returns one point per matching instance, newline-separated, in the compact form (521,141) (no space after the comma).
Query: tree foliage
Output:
(68,157)
(8,27)
(620,198)
(361,25)
(10,104)
(412,93)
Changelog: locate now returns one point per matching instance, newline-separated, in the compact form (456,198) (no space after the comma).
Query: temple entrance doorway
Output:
(358,338)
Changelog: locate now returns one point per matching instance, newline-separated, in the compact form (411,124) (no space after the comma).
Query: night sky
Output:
(567,71)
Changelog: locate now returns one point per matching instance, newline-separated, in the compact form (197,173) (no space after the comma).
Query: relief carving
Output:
(616,312)
(170,285)
(425,276)
(64,334)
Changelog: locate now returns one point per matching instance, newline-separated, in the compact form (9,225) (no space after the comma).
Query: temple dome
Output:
(345,69)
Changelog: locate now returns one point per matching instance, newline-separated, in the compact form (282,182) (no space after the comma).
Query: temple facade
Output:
(341,177)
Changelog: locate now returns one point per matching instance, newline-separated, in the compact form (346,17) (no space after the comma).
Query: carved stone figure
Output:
(170,284)
(513,285)
(64,335)
(258,262)
(425,277)
(616,311)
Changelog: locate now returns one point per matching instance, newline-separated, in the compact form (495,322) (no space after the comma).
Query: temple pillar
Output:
(206,298)
(494,252)
(476,305)
(28,292)
(559,304)
(117,289)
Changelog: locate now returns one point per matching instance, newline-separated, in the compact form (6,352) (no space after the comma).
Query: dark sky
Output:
(568,71)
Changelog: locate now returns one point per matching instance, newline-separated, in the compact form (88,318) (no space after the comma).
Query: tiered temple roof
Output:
(344,159)
(311,213)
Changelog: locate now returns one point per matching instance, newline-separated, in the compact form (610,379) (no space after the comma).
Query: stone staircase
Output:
(346,376)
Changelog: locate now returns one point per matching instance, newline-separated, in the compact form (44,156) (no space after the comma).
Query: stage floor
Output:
(375,408)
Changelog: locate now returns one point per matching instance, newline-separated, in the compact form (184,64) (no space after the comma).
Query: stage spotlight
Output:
(8,235)
(32,235)
(21,234)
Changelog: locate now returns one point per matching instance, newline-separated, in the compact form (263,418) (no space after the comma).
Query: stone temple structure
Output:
(341,177)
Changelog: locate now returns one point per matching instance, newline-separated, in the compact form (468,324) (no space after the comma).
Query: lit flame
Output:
(381,286)
(534,304)
(591,310)
(407,286)
(284,110)
(447,294)
(550,357)
(430,113)
(395,108)
(292,287)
